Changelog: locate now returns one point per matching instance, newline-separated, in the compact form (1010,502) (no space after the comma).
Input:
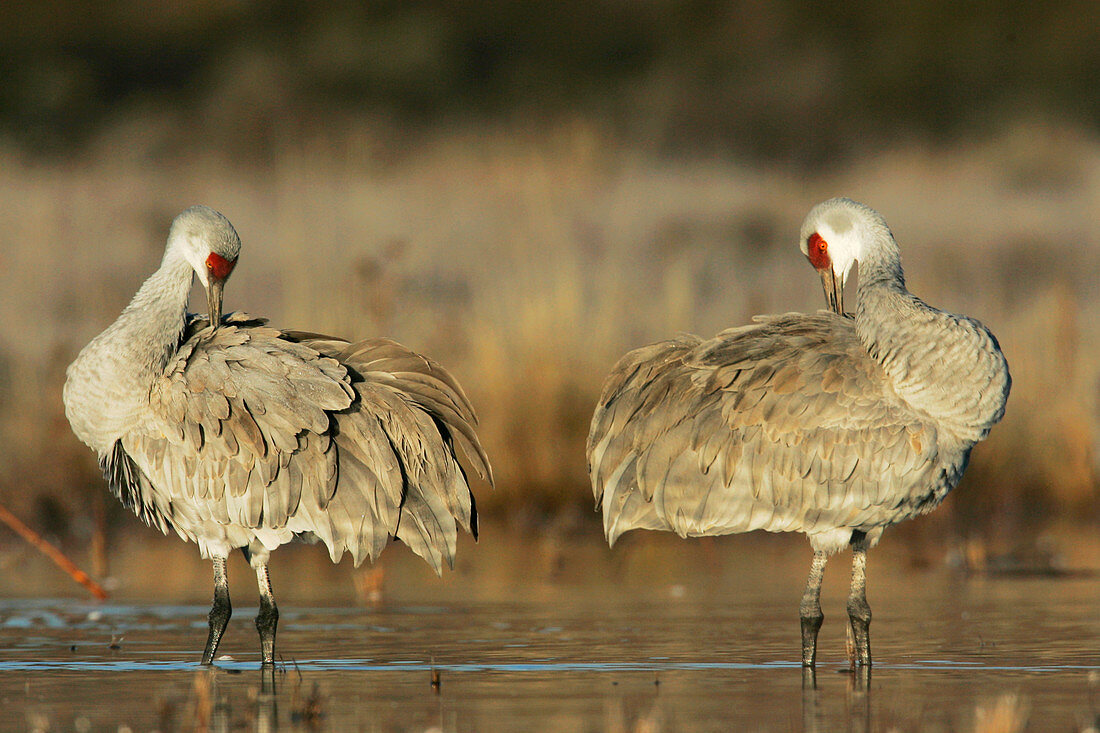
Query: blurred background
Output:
(526,190)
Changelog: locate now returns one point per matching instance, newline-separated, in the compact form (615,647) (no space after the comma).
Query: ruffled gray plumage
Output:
(814,423)
(254,434)
(782,425)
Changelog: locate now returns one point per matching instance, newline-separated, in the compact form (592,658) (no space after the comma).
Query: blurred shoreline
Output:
(522,564)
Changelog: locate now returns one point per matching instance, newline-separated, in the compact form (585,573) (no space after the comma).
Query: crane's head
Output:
(210,244)
(834,237)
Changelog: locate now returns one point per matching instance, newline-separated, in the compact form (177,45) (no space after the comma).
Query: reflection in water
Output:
(811,711)
(857,701)
(605,657)
(218,704)
(267,707)
(636,713)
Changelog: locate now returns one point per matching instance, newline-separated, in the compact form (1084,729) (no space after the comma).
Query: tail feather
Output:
(400,476)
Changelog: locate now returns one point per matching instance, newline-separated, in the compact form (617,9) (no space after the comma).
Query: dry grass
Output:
(527,264)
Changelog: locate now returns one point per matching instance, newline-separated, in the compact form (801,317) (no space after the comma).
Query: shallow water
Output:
(630,652)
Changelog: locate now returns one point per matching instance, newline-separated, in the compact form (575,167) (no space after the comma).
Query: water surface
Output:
(688,644)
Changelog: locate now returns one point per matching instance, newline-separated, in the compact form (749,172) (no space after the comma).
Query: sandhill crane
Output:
(831,425)
(239,436)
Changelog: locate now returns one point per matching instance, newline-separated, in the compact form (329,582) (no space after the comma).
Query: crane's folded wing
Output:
(785,424)
(287,434)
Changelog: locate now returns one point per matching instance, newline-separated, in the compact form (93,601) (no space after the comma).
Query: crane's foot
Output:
(266,623)
(267,620)
(810,626)
(860,679)
(809,610)
(220,611)
(859,611)
(859,640)
(267,681)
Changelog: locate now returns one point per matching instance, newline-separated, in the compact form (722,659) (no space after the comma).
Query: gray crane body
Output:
(786,425)
(246,437)
(832,425)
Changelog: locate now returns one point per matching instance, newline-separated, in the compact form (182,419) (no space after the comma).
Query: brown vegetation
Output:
(529,262)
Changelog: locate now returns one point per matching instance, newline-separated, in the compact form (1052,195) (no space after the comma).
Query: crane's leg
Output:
(268,617)
(220,611)
(810,609)
(859,611)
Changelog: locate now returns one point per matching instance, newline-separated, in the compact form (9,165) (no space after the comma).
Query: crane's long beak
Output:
(834,290)
(214,301)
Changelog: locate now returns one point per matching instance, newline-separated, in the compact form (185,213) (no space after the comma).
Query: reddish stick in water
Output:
(53,553)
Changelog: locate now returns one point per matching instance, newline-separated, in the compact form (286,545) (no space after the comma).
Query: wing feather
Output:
(261,435)
(783,424)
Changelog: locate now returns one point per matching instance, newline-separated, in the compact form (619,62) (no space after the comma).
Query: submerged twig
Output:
(53,553)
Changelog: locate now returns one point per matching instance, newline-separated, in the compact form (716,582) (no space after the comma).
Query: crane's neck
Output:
(946,366)
(109,383)
(150,326)
(880,261)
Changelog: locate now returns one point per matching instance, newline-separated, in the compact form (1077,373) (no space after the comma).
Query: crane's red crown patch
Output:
(817,250)
(218,266)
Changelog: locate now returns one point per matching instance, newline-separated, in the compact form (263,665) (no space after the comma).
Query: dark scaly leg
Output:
(859,611)
(810,609)
(220,611)
(268,617)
